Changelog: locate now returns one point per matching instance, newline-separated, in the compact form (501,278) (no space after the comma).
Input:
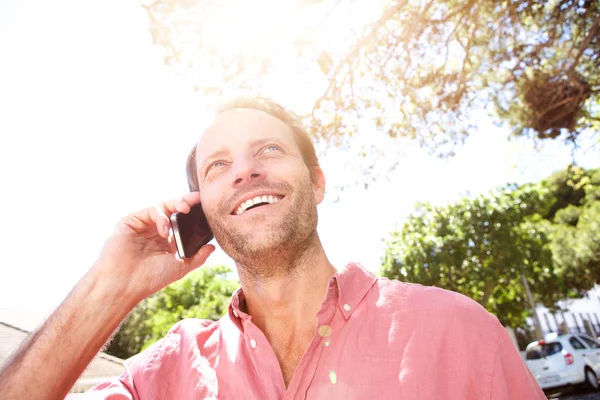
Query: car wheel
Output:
(591,380)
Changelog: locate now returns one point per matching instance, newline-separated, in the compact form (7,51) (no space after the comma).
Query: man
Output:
(298,328)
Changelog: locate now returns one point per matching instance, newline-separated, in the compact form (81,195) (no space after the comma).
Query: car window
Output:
(543,350)
(590,342)
(577,345)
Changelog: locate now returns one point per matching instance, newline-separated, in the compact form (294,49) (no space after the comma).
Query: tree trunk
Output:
(536,321)
(489,289)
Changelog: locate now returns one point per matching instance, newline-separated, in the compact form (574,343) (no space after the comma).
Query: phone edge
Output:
(177,236)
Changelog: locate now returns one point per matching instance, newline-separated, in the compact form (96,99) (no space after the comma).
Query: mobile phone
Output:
(191,231)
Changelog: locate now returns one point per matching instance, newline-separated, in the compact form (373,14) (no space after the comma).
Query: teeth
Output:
(258,199)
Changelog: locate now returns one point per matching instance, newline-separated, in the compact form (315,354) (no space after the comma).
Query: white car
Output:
(565,360)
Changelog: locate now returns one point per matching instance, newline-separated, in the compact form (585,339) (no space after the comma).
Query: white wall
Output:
(577,310)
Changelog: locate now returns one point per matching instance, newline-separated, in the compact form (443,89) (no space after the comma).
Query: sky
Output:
(93,126)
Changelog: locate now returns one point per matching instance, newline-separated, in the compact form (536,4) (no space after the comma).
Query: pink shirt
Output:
(376,339)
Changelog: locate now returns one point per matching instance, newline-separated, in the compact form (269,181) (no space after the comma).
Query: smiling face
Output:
(259,196)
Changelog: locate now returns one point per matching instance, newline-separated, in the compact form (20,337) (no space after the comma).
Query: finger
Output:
(168,207)
(164,212)
(198,259)
(141,221)
(192,198)
(173,245)
(185,204)
(181,206)
(163,225)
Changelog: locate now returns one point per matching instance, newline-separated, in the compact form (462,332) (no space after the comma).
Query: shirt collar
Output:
(353,282)
(235,313)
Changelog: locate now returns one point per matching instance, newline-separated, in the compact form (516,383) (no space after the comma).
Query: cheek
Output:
(211,200)
(290,172)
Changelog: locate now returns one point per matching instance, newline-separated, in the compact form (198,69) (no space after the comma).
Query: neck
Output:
(286,303)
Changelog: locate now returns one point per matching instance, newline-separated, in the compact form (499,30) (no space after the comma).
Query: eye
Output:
(270,148)
(216,164)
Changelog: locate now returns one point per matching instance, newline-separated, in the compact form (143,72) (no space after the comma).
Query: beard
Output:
(275,247)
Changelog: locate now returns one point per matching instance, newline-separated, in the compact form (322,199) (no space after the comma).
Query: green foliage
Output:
(204,294)
(416,71)
(480,246)
(575,231)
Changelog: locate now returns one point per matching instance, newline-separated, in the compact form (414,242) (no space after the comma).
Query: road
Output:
(576,395)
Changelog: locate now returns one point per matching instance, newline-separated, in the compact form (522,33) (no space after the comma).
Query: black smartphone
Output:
(191,231)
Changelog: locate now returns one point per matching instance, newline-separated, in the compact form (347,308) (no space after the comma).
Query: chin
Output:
(244,245)
(266,242)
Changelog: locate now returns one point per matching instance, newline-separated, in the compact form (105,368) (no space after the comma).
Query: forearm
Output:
(54,356)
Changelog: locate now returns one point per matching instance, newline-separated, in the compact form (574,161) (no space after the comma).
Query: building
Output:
(576,316)
(579,315)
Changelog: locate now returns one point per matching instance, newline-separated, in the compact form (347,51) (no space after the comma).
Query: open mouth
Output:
(256,202)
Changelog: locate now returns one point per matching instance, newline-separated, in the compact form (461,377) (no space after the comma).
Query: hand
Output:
(140,257)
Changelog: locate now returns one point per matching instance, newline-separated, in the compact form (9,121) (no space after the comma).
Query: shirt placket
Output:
(264,360)
(305,372)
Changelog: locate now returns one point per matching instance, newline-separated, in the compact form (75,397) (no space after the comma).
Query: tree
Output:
(204,293)
(419,70)
(536,60)
(575,229)
(482,246)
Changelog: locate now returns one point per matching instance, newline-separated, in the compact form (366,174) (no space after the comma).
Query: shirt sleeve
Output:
(114,389)
(512,378)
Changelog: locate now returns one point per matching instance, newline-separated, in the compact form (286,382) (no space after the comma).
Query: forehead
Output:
(237,129)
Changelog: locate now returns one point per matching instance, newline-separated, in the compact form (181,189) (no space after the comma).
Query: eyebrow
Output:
(216,154)
(259,142)
(201,167)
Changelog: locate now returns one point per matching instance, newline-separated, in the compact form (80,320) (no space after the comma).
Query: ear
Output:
(318,183)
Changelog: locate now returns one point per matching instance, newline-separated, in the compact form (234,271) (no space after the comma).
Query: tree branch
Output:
(460,91)
(337,3)
(538,47)
(357,46)
(452,14)
(584,45)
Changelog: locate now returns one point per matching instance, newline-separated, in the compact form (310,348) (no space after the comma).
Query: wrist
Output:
(113,292)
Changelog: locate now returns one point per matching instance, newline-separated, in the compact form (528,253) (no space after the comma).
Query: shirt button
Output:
(347,307)
(253,343)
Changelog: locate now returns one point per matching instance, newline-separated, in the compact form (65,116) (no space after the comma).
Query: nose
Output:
(246,169)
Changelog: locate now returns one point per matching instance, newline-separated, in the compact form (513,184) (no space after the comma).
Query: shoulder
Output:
(171,367)
(199,333)
(194,327)
(185,336)
(432,302)
(438,324)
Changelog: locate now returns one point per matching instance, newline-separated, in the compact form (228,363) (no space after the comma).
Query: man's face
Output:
(256,191)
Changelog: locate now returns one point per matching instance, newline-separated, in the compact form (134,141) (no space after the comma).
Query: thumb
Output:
(198,259)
